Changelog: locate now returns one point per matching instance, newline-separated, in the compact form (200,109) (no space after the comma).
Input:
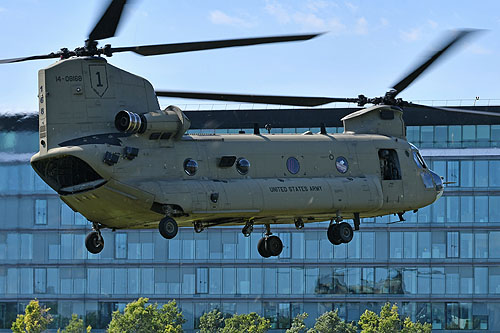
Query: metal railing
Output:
(248,106)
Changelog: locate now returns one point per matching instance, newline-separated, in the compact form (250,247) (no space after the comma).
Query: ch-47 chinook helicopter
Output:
(111,154)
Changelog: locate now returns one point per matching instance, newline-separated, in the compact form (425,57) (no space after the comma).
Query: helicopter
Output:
(114,156)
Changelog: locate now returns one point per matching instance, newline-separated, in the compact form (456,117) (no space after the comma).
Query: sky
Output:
(368,46)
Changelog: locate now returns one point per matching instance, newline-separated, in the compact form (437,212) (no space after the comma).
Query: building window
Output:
(40,211)
(40,280)
(120,245)
(202,280)
(452,245)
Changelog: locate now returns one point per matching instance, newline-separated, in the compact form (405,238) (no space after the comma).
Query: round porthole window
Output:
(342,164)
(293,166)
(190,166)
(242,165)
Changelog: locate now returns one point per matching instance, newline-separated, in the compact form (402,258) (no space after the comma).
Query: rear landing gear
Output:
(339,233)
(168,227)
(269,246)
(94,241)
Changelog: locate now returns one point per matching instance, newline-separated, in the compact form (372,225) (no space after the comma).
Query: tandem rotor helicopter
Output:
(113,155)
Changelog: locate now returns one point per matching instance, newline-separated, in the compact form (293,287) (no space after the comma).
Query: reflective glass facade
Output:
(441,266)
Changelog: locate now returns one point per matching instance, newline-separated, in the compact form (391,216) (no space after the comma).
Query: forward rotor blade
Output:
(37,57)
(148,50)
(107,24)
(457,110)
(257,99)
(408,79)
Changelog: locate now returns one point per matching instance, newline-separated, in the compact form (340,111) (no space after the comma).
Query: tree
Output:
(211,322)
(330,322)
(369,322)
(411,327)
(298,325)
(389,322)
(34,320)
(75,325)
(247,323)
(139,317)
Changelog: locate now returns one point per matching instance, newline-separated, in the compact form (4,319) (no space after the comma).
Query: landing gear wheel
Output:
(94,242)
(345,232)
(261,247)
(333,234)
(168,227)
(274,246)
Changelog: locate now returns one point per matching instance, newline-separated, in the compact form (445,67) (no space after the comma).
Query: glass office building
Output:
(440,266)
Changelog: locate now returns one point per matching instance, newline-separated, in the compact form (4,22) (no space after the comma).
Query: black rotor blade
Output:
(107,24)
(408,79)
(257,99)
(456,110)
(148,50)
(37,57)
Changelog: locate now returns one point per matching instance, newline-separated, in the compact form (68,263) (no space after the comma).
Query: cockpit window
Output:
(419,160)
(67,174)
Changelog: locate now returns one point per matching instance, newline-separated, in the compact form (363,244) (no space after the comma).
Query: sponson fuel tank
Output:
(353,194)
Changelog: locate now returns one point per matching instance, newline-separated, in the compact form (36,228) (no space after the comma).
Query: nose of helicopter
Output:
(438,181)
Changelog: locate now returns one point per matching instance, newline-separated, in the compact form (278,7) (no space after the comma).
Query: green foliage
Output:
(35,319)
(389,319)
(140,317)
(298,325)
(246,323)
(330,322)
(369,322)
(211,322)
(75,325)
(389,322)
(411,327)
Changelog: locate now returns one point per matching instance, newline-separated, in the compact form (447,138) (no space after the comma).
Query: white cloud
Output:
(278,11)
(432,24)
(351,6)
(411,35)
(335,26)
(219,17)
(316,5)
(361,26)
(478,49)
(309,20)
(309,17)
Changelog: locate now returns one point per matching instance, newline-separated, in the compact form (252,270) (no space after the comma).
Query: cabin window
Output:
(190,167)
(242,165)
(389,164)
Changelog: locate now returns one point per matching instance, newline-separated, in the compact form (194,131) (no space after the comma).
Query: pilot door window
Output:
(389,164)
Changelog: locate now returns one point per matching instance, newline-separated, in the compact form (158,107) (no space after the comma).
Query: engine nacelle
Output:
(167,123)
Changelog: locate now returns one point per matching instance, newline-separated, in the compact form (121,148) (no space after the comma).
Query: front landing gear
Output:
(168,227)
(269,246)
(94,241)
(339,233)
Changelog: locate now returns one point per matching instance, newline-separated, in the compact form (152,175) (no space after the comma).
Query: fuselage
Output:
(314,177)
(114,156)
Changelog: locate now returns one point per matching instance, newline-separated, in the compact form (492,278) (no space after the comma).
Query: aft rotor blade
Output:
(457,110)
(37,57)
(148,50)
(107,24)
(408,79)
(257,99)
